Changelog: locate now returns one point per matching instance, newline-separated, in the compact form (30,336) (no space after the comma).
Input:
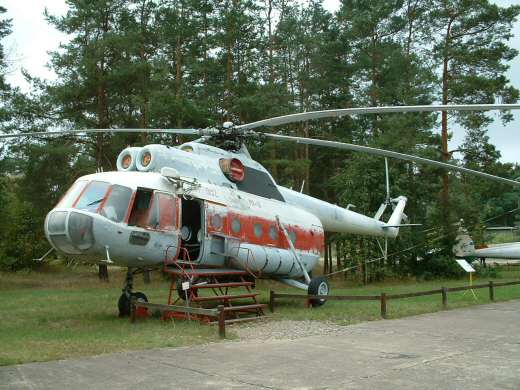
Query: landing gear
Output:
(318,286)
(124,301)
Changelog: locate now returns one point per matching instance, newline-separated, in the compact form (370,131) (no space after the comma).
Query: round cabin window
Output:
(273,233)
(258,230)
(292,236)
(216,221)
(236,226)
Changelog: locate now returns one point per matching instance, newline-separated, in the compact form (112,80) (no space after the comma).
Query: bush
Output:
(438,266)
(485,272)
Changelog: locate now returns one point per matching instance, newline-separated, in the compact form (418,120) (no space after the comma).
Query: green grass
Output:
(350,312)
(47,316)
(60,313)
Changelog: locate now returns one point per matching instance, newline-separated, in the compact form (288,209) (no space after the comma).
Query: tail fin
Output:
(464,245)
(397,216)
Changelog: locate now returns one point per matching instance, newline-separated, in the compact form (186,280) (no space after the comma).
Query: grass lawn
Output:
(68,313)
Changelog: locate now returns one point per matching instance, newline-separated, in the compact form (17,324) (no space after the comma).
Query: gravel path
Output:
(286,330)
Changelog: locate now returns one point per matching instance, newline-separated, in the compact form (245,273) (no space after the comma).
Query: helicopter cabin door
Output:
(192,227)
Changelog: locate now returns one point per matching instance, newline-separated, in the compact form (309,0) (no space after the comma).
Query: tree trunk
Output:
(444,117)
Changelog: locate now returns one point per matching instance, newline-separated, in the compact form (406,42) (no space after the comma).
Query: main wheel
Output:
(123,304)
(318,286)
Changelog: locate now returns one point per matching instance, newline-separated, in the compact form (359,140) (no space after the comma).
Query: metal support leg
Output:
(129,283)
(293,250)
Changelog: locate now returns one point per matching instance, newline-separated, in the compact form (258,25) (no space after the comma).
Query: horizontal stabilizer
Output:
(402,225)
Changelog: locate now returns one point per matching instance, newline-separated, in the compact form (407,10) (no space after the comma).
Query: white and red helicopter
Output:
(217,207)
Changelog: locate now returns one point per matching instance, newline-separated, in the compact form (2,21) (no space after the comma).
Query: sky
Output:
(32,38)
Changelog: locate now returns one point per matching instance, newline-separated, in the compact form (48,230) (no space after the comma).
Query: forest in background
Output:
(197,63)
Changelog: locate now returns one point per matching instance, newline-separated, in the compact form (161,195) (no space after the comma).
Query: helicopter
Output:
(465,248)
(216,207)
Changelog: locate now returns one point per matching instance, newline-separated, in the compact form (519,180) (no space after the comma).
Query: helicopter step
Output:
(203,272)
(217,285)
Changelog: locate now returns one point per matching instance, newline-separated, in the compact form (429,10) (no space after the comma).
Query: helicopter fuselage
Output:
(204,205)
(135,219)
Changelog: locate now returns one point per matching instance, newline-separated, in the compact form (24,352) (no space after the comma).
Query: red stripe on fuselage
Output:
(309,238)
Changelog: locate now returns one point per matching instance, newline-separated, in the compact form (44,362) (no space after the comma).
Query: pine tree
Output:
(471,45)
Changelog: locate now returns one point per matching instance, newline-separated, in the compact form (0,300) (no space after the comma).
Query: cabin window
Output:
(236,226)
(273,233)
(164,216)
(139,215)
(93,195)
(117,203)
(216,221)
(258,230)
(72,194)
(153,210)
(292,236)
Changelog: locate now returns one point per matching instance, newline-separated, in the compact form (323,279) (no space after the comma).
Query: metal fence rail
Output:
(383,298)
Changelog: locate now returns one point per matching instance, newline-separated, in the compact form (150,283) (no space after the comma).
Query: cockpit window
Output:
(141,208)
(92,196)
(165,206)
(72,194)
(116,203)
(153,210)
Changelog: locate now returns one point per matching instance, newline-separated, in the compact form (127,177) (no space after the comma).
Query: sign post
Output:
(469,269)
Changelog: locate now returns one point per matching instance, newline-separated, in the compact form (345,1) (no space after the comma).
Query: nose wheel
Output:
(123,304)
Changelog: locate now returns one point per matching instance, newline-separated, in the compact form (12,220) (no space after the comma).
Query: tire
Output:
(123,304)
(318,286)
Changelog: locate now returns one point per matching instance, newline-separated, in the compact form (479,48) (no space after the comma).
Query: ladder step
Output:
(217,285)
(204,271)
(244,319)
(223,297)
(245,307)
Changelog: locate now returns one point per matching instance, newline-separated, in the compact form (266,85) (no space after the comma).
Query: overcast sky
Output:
(32,38)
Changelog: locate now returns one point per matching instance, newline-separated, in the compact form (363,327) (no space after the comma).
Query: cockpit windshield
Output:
(111,201)
(150,209)
(92,196)
(116,204)
(72,194)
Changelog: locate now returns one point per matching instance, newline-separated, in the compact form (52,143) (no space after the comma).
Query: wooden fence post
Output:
(133,309)
(491,291)
(383,305)
(103,272)
(221,322)
(271,301)
(444,292)
(146,276)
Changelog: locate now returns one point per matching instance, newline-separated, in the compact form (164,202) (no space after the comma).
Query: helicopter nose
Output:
(69,231)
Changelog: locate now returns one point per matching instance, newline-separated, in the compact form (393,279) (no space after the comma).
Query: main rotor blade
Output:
(305,116)
(90,131)
(389,153)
